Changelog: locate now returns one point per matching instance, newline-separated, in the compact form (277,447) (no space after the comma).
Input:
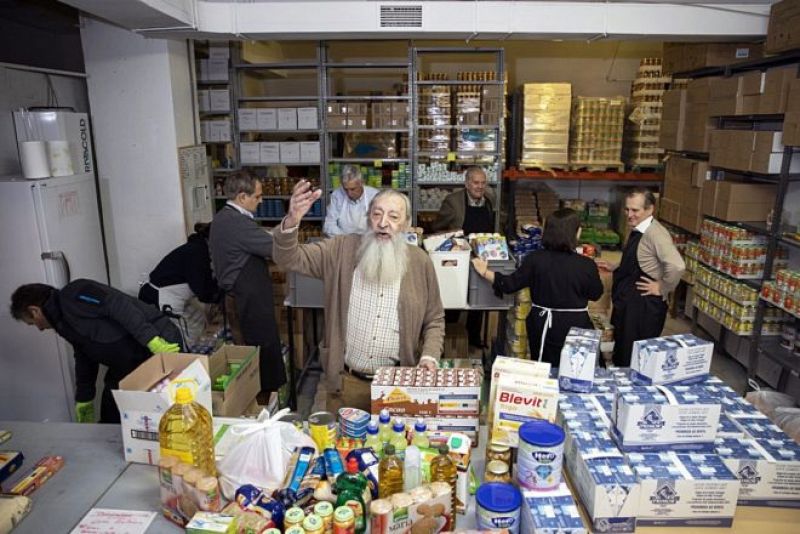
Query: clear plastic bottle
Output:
(420,438)
(399,438)
(186,432)
(374,439)
(390,473)
(412,464)
(443,469)
(385,425)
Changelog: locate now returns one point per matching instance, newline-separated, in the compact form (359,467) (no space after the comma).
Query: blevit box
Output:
(684,490)
(519,399)
(648,418)
(578,360)
(550,512)
(678,359)
(768,470)
(505,365)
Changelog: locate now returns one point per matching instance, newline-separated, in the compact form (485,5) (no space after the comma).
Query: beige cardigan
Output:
(659,258)
(334,260)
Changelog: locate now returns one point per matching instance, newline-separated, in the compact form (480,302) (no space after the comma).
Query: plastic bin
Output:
(452,271)
(305,292)
(481,294)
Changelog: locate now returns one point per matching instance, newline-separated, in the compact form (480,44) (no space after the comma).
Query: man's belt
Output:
(357,374)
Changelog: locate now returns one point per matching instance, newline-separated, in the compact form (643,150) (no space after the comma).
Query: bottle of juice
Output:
(185,432)
(350,487)
(443,469)
(374,439)
(390,473)
(420,438)
(385,425)
(399,438)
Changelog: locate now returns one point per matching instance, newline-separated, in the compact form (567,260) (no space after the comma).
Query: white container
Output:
(578,360)
(678,359)
(33,157)
(497,506)
(541,455)
(452,273)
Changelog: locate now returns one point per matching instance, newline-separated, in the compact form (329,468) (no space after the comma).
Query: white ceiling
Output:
(445,19)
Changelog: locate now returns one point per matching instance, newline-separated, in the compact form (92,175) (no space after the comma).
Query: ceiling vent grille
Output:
(401,16)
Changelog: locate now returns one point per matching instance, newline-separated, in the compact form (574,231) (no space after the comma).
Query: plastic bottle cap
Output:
(352,465)
(183,395)
(372,428)
(420,426)
(384,416)
(398,426)
(388,449)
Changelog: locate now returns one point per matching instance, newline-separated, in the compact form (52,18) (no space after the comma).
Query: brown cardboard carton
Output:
(777,89)
(793,100)
(669,211)
(791,129)
(753,83)
(731,105)
(690,220)
(674,104)
(701,173)
(723,88)
(698,91)
(750,105)
(771,162)
(767,142)
(679,57)
(709,198)
(783,32)
(740,201)
(671,135)
(244,384)
(698,128)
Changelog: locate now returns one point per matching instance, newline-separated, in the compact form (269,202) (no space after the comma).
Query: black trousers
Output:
(636,318)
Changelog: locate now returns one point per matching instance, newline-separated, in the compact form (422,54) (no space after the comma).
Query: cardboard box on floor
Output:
(141,410)
(245,383)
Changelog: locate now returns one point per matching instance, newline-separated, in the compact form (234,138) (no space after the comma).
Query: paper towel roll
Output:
(59,158)
(33,156)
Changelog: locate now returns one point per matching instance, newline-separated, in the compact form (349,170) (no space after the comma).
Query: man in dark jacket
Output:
(239,250)
(183,275)
(104,326)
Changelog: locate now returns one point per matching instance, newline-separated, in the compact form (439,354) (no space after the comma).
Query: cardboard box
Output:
(669,210)
(654,418)
(290,152)
(203,103)
(244,384)
(287,118)
(690,219)
(550,512)
(309,152)
(426,394)
(141,410)
(771,162)
(698,90)
(753,83)
(750,105)
(671,135)
(721,88)
(307,119)
(337,122)
(248,119)
(791,129)
(674,104)
(783,32)
(519,399)
(219,100)
(709,198)
(769,470)
(267,119)
(269,152)
(684,490)
(502,366)
(416,517)
(678,359)
(681,57)
(739,201)
(356,122)
(578,360)
(250,153)
(777,88)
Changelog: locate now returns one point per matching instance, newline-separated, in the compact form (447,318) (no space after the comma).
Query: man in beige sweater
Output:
(649,271)
(382,302)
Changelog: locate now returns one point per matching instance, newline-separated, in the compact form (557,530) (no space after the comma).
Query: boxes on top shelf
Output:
(682,57)
(784,21)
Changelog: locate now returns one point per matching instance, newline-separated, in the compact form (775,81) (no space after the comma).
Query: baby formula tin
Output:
(540,455)
(497,506)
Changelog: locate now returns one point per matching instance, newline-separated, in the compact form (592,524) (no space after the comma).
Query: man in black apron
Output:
(239,249)
(105,327)
(650,269)
(472,210)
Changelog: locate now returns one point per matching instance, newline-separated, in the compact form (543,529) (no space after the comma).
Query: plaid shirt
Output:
(373,325)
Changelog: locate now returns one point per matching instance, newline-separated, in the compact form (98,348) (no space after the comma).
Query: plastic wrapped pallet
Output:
(435,114)
(596,132)
(545,129)
(643,127)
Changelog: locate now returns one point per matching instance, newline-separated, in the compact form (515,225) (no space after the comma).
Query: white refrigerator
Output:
(49,233)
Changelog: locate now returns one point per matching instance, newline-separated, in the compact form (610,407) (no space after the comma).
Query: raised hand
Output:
(303,197)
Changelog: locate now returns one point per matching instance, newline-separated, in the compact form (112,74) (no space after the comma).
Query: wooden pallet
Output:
(542,167)
(597,167)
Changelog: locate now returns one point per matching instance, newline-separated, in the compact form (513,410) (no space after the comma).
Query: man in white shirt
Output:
(347,211)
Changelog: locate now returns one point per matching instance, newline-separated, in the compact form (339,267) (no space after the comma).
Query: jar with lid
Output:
(497,471)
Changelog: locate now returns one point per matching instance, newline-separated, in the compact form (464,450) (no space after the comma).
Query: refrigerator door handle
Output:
(59,255)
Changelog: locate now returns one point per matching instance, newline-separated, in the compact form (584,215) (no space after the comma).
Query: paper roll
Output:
(33,156)
(59,158)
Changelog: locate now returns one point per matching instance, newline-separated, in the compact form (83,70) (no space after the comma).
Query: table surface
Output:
(96,475)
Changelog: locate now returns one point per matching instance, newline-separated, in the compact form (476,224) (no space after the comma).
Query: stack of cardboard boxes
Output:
(682,57)
(684,183)
(783,32)
(596,132)
(738,201)
(389,115)
(347,115)
(753,151)
(545,129)
(435,113)
(644,121)
(698,122)
(673,117)
(791,120)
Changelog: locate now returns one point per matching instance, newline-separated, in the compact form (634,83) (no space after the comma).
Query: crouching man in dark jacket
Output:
(104,326)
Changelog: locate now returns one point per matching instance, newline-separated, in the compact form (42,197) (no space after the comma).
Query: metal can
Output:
(497,471)
(380,512)
(313,524)
(293,418)
(322,427)
(344,520)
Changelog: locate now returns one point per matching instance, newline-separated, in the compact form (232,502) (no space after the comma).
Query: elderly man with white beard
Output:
(382,302)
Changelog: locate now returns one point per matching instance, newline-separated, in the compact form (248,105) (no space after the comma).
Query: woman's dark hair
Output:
(204,229)
(560,230)
(29,295)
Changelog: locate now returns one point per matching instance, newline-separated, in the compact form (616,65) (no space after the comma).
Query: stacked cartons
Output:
(791,121)
(546,123)
(596,132)
(698,124)
(643,126)
(435,115)
(673,119)
(753,151)
(684,183)
(783,32)
(682,57)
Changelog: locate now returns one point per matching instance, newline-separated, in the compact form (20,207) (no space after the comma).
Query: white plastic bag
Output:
(261,455)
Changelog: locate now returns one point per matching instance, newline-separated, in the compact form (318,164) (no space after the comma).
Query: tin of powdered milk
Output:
(540,456)
(497,506)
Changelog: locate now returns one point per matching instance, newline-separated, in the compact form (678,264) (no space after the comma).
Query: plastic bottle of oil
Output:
(185,432)
(443,469)
(390,473)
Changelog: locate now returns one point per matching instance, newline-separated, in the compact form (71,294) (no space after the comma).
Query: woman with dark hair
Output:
(561,282)
(182,278)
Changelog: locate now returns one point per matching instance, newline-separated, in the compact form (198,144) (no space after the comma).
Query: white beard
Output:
(383,262)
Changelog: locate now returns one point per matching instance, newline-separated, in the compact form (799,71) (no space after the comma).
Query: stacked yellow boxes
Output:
(596,134)
(642,129)
(435,114)
(545,128)
(516,331)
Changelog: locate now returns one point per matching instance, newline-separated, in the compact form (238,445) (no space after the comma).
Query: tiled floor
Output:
(311,395)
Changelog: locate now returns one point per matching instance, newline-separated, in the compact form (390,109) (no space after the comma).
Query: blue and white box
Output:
(759,427)
(578,360)
(656,418)
(684,490)
(551,512)
(678,359)
(768,470)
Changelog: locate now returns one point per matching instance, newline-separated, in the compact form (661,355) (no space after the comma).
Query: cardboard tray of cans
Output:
(413,391)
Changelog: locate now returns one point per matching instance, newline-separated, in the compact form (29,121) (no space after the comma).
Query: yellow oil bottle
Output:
(186,432)
(443,469)
(390,473)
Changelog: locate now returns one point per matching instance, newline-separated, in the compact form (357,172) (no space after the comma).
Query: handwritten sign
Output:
(108,521)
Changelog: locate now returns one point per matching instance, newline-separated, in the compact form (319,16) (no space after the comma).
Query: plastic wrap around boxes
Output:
(678,359)
(545,129)
(596,131)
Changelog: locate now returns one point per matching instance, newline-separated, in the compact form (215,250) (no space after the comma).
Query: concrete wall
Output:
(140,94)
